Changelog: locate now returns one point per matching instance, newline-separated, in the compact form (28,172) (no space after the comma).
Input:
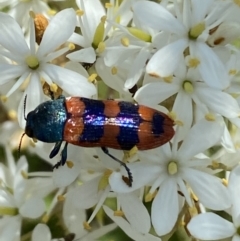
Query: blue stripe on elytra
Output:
(94,120)
(128,121)
(157,124)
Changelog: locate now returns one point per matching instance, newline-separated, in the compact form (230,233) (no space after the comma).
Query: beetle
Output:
(98,123)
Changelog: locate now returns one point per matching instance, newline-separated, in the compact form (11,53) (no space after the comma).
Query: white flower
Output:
(34,64)
(176,169)
(95,189)
(209,226)
(190,28)
(189,89)
(19,197)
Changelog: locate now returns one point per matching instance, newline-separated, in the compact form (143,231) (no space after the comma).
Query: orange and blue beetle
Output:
(98,123)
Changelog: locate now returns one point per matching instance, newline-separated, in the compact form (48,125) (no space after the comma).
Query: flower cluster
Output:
(179,57)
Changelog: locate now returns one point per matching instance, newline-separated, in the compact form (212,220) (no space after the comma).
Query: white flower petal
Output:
(155,93)
(184,110)
(208,189)
(116,82)
(73,216)
(10,228)
(165,208)
(157,17)
(9,72)
(77,67)
(209,226)
(34,98)
(125,226)
(86,55)
(203,135)
(234,188)
(64,176)
(13,42)
(85,196)
(137,68)
(89,24)
(166,60)
(32,208)
(218,101)
(70,81)
(135,212)
(41,232)
(6,199)
(209,62)
(54,36)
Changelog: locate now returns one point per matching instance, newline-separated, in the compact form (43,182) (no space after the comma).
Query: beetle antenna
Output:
(24,107)
(20,143)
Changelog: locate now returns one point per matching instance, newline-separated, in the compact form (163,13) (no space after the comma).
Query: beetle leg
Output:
(63,157)
(130,178)
(55,149)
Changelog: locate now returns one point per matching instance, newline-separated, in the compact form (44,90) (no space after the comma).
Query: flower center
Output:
(188,87)
(32,62)
(196,31)
(172,168)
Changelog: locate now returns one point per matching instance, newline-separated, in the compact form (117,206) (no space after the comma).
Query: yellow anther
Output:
(53,87)
(45,218)
(237,2)
(232,72)
(24,174)
(70,164)
(86,226)
(90,171)
(114,70)
(51,12)
(119,213)
(168,79)
(79,12)
(61,198)
(108,5)
(4,98)
(215,164)
(12,114)
(193,62)
(210,117)
(92,77)
(125,42)
(154,75)
(172,168)
(172,115)
(71,46)
(178,123)
(225,182)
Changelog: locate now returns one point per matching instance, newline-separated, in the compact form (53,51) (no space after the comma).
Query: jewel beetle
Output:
(98,123)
